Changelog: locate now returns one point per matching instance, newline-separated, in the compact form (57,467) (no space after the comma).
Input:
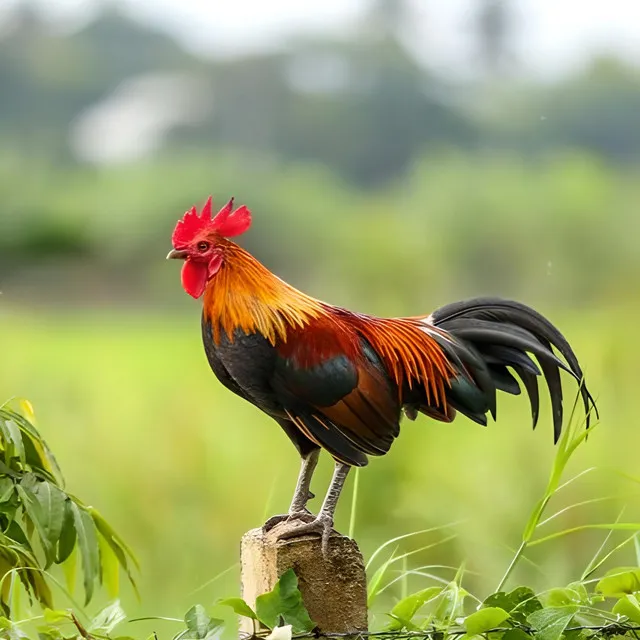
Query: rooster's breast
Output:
(244,364)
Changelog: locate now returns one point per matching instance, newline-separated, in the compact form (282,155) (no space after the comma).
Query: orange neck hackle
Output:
(245,295)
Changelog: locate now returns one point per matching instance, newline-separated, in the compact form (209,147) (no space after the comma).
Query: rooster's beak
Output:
(176,254)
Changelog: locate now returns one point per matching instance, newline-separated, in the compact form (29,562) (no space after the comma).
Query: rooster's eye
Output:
(203,246)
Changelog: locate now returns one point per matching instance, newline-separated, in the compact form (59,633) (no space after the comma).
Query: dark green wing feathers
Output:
(347,405)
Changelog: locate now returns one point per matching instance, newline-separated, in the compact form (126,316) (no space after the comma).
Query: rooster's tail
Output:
(490,336)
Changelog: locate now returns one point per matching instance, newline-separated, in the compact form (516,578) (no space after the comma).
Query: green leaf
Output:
(619,581)
(112,537)
(284,601)
(519,603)
(197,620)
(550,623)
(33,510)
(500,599)
(52,510)
(15,532)
(7,471)
(88,543)
(485,619)
(38,461)
(562,597)
(628,606)
(9,509)
(109,568)
(199,624)
(67,538)
(107,619)
(239,606)
(6,489)
(581,594)
(450,604)
(119,548)
(52,616)
(5,441)
(117,545)
(15,595)
(15,436)
(403,612)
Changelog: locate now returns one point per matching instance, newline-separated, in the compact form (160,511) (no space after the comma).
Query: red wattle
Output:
(194,277)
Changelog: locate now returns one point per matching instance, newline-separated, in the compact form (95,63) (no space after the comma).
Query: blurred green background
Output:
(379,180)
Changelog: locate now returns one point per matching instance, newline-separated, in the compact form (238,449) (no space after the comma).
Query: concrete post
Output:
(334,589)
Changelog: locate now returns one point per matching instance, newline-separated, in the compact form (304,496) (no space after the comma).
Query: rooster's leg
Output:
(323,524)
(303,494)
(298,509)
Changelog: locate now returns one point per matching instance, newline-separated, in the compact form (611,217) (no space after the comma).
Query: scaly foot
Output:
(322,524)
(303,515)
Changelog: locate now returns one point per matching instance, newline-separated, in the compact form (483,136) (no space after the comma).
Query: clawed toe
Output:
(322,524)
(295,516)
(301,516)
(273,521)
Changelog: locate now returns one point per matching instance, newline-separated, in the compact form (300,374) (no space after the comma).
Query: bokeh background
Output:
(396,156)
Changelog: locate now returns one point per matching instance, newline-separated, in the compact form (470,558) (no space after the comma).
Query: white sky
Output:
(553,35)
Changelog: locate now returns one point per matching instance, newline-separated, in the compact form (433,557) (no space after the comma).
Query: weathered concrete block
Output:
(334,589)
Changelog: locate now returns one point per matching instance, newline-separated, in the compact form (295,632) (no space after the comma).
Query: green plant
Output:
(279,612)
(601,607)
(42,524)
(281,606)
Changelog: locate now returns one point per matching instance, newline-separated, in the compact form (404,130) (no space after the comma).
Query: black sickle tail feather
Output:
(493,335)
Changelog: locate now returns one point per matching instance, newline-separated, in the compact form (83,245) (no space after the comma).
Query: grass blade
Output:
(615,526)
(388,543)
(212,580)
(574,506)
(590,571)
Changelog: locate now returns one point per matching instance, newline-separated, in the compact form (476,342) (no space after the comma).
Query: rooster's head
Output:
(199,240)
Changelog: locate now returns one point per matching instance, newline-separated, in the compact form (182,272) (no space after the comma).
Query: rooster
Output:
(340,381)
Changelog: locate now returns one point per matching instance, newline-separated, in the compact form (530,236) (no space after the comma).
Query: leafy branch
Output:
(41,524)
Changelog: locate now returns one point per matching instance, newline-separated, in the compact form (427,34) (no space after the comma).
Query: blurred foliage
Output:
(363,106)
(560,229)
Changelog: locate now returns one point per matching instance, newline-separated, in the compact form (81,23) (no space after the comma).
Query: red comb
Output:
(227,222)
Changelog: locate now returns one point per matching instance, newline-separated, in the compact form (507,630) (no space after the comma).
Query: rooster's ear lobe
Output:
(229,223)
